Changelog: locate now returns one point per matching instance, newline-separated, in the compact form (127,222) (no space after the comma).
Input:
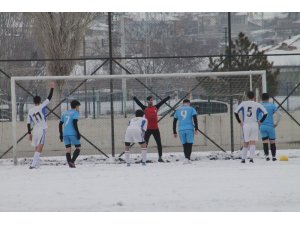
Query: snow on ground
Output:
(98,185)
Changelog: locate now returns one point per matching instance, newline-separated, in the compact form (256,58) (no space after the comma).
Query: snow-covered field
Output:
(98,185)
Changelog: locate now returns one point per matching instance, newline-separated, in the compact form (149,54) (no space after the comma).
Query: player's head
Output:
(186,102)
(139,113)
(265,97)
(150,100)
(251,95)
(37,100)
(75,104)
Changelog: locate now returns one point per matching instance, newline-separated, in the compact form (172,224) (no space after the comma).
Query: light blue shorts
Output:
(71,140)
(267,132)
(186,136)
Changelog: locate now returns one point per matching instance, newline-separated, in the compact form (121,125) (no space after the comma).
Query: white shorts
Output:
(38,137)
(250,132)
(134,135)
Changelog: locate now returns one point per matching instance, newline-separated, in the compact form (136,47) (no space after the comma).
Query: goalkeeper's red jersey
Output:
(151,116)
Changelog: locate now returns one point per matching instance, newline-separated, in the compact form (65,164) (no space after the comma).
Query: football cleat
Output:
(71,165)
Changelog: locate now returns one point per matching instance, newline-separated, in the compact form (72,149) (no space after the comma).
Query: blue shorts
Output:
(71,140)
(186,136)
(267,132)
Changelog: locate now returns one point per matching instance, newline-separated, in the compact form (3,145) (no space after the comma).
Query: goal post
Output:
(205,78)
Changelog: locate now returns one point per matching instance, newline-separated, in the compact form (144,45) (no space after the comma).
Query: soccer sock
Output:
(244,152)
(144,155)
(266,149)
(75,154)
(36,158)
(68,156)
(252,151)
(185,150)
(189,150)
(273,150)
(127,156)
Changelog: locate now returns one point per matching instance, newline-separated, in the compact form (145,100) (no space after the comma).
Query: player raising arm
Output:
(151,115)
(37,116)
(250,112)
(70,134)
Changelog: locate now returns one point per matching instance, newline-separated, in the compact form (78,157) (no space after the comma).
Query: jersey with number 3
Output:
(67,118)
(37,116)
(250,111)
(185,117)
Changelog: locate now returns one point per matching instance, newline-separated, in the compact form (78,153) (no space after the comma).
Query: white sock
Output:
(144,154)
(127,156)
(252,151)
(244,152)
(36,159)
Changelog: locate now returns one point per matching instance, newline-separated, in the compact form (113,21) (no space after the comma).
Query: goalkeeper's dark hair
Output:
(265,97)
(149,97)
(186,101)
(36,99)
(74,104)
(250,95)
(139,113)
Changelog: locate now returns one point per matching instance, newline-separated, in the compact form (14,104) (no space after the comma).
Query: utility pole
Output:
(111,87)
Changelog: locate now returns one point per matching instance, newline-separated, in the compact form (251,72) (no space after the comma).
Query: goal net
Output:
(107,105)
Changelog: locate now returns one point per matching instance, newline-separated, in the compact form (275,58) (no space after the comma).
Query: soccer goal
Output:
(107,104)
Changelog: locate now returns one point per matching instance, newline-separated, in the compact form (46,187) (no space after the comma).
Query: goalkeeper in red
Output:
(151,116)
(70,134)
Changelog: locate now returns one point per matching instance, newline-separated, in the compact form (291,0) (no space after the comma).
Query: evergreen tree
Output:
(252,59)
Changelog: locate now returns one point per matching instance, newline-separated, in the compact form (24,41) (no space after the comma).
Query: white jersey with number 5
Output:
(37,116)
(250,111)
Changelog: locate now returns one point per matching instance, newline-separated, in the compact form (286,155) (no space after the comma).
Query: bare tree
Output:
(15,42)
(60,36)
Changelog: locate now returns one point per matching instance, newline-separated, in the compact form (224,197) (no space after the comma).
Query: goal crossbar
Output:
(132,76)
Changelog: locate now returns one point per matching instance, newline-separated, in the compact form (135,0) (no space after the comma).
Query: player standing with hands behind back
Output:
(70,135)
(250,112)
(37,116)
(267,128)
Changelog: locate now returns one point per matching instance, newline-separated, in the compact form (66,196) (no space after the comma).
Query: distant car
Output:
(202,107)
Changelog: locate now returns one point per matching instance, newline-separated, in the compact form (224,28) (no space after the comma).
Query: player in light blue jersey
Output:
(267,128)
(70,134)
(187,127)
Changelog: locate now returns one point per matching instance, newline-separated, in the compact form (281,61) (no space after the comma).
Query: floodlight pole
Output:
(14,118)
(111,87)
(229,69)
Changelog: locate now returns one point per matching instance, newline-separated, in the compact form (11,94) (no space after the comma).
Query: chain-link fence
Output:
(154,43)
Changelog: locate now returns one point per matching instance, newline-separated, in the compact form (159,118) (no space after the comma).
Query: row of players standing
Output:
(145,124)
(257,116)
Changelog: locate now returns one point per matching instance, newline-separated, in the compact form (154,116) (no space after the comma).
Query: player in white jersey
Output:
(135,133)
(250,112)
(37,116)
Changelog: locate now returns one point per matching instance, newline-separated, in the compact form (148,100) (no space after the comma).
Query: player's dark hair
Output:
(265,97)
(139,113)
(186,101)
(36,99)
(149,97)
(250,94)
(74,104)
